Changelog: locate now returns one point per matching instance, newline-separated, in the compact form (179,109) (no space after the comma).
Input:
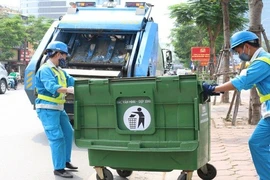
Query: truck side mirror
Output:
(169,56)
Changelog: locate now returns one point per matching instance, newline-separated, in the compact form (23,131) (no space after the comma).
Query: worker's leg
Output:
(51,123)
(259,147)
(68,133)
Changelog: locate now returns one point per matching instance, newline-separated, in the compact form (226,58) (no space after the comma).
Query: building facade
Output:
(40,8)
(49,8)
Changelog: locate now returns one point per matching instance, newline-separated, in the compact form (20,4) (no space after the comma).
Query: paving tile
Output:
(248,178)
(225,173)
(222,165)
(226,178)
(246,172)
(239,158)
(242,163)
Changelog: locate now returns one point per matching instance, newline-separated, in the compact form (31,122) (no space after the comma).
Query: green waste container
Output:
(144,124)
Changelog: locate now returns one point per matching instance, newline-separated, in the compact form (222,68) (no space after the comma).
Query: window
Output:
(52,3)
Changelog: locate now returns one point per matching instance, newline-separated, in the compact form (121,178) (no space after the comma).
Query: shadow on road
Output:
(41,139)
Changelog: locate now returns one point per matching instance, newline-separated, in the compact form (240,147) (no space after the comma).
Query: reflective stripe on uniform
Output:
(62,82)
(266,97)
(51,99)
(59,107)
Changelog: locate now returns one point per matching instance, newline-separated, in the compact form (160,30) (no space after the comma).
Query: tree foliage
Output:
(204,18)
(36,28)
(12,34)
(185,37)
(15,31)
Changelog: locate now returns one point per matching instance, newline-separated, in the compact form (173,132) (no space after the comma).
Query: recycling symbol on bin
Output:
(137,118)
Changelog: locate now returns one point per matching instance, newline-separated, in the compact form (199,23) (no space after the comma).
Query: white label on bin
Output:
(137,118)
(204,114)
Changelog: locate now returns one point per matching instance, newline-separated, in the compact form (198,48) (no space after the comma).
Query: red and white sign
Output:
(200,54)
(26,56)
(204,63)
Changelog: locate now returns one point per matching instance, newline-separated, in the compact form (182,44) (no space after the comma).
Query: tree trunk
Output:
(255,106)
(255,11)
(212,56)
(226,32)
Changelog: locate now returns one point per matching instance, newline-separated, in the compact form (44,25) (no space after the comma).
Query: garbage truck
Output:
(104,41)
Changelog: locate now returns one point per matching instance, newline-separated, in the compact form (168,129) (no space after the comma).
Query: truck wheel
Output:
(3,87)
(211,172)
(124,173)
(107,175)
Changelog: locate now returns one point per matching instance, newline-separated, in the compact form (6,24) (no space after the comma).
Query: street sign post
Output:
(201,54)
(24,55)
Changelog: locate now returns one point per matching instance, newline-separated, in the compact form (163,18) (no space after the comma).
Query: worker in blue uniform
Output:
(257,74)
(52,84)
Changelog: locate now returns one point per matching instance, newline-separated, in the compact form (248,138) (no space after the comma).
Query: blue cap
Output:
(241,37)
(58,46)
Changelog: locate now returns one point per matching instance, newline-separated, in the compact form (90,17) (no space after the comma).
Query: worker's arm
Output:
(224,87)
(214,89)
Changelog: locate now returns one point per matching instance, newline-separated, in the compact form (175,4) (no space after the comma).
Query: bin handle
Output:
(196,114)
(76,118)
(186,146)
(101,83)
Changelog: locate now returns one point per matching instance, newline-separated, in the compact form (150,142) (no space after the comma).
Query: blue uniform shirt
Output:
(258,73)
(46,82)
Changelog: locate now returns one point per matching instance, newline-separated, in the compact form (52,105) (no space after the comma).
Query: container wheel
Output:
(124,173)
(182,176)
(107,175)
(211,172)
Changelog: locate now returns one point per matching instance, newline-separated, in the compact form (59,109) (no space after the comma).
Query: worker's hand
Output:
(209,89)
(70,90)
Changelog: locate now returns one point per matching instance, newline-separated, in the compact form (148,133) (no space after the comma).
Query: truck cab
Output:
(107,41)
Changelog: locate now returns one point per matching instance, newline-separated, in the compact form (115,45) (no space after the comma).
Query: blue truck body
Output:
(104,42)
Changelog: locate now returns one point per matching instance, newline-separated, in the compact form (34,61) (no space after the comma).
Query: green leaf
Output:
(199,21)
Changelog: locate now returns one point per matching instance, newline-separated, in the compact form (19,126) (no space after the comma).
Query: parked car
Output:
(3,79)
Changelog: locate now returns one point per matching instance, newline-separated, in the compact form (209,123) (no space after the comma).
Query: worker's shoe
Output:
(62,173)
(70,166)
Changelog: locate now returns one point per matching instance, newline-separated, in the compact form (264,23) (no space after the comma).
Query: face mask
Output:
(244,56)
(62,63)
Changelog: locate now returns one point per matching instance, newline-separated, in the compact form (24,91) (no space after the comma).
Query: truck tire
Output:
(3,87)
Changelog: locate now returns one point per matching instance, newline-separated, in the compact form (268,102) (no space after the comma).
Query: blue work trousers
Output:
(259,145)
(59,133)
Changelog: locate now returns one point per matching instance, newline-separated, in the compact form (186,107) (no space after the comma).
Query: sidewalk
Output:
(229,149)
